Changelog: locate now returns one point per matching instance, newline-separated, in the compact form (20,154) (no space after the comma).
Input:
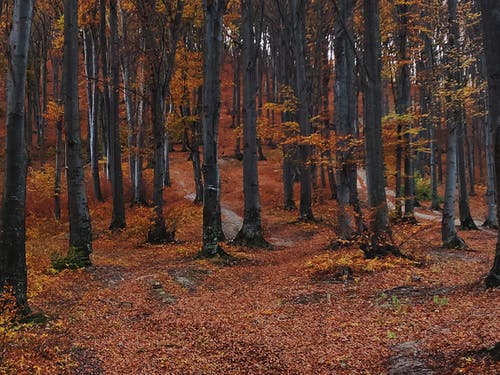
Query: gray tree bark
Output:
(80,237)
(345,112)
(91,69)
(251,233)
(13,214)
(448,232)
(212,223)
(118,216)
(160,56)
(302,91)
(381,239)
(490,10)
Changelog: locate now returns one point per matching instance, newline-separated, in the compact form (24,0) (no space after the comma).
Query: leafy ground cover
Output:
(300,308)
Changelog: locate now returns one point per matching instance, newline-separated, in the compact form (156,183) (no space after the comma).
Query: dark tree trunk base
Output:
(492,280)
(455,243)
(468,224)
(290,206)
(139,203)
(213,251)
(158,234)
(117,225)
(490,224)
(251,238)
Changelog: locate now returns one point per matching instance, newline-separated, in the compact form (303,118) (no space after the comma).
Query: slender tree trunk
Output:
(449,234)
(490,10)
(13,271)
(251,233)
(491,218)
(91,66)
(212,223)
(466,221)
(302,89)
(80,238)
(344,91)
(106,112)
(118,219)
(381,238)
(56,87)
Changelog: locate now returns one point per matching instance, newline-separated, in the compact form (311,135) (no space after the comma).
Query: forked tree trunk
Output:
(13,215)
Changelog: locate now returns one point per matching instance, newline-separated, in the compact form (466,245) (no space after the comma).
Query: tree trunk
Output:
(13,271)
(91,68)
(490,10)
(381,241)
(212,223)
(106,109)
(302,89)
(80,238)
(466,221)
(344,91)
(449,234)
(118,219)
(251,232)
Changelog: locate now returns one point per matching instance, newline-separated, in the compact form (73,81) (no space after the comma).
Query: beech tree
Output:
(345,116)
(118,219)
(161,27)
(491,35)
(80,237)
(449,233)
(13,215)
(212,223)
(251,232)
(381,242)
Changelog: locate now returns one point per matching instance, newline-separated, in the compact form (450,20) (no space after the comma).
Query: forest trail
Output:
(420,213)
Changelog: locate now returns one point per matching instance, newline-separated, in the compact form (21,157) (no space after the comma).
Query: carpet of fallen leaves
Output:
(143,309)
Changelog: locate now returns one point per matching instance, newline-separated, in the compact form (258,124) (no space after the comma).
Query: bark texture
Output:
(13,215)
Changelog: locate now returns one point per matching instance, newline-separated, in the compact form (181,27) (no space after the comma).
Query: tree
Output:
(212,223)
(161,27)
(298,11)
(345,117)
(372,115)
(251,232)
(118,219)
(80,237)
(13,215)
(449,233)
(490,10)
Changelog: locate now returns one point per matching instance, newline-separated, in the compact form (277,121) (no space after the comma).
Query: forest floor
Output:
(296,309)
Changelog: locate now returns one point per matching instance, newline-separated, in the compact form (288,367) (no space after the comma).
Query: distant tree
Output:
(80,237)
(491,34)
(13,215)
(381,241)
(212,223)
(251,233)
(93,98)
